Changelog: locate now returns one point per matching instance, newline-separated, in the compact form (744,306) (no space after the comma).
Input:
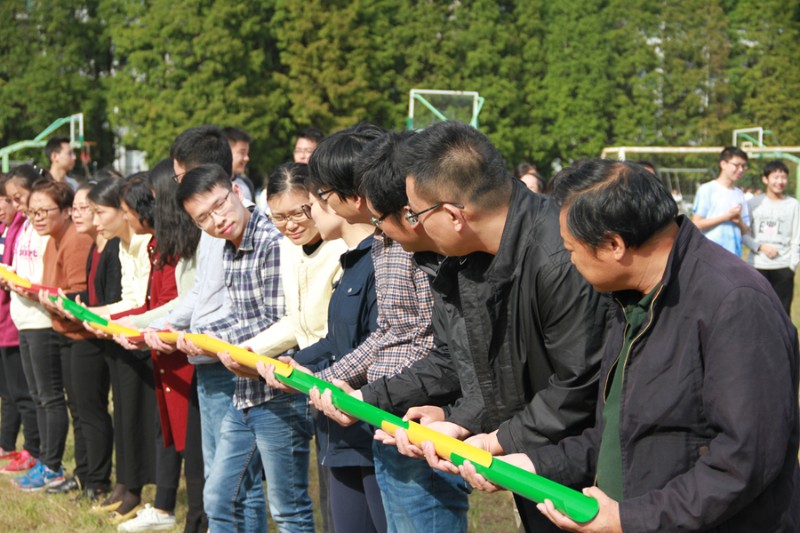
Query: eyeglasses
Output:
(178,177)
(297,216)
(81,209)
(377,221)
(42,213)
(413,218)
(304,151)
(219,209)
(323,195)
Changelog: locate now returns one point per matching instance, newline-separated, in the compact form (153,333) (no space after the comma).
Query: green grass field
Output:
(39,512)
(24,512)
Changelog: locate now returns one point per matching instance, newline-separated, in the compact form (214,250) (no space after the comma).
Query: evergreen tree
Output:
(52,59)
(766,41)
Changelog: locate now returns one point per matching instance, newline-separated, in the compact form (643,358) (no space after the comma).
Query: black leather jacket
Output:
(517,337)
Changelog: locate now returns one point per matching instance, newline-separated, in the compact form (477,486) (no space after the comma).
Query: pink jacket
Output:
(8,332)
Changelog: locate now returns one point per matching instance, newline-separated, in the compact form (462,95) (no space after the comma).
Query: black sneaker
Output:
(68,485)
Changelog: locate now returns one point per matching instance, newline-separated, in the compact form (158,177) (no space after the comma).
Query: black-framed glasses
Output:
(178,177)
(323,195)
(42,213)
(306,210)
(218,210)
(377,221)
(413,218)
(298,216)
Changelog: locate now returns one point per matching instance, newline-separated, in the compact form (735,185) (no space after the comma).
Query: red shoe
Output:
(22,463)
(8,455)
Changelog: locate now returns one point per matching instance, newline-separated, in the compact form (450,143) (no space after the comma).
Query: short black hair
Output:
(202,145)
(525,168)
(383,179)
(287,177)
(729,152)
(137,193)
(605,197)
(646,164)
(312,134)
(54,146)
(235,135)
(202,179)
(452,161)
(774,165)
(332,165)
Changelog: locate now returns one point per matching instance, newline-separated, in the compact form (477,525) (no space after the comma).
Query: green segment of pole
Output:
(570,502)
(81,313)
(343,401)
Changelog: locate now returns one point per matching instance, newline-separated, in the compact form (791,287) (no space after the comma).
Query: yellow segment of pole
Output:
(13,277)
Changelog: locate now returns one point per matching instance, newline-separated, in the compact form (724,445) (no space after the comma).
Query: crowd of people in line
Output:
(582,329)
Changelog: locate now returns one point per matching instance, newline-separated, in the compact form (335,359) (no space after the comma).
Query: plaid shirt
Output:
(252,278)
(404,332)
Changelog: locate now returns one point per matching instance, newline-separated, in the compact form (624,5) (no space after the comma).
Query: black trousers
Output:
(18,407)
(532,520)
(41,361)
(87,380)
(168,468)
(131,374)
(355,499)
(66,347)
(782,280)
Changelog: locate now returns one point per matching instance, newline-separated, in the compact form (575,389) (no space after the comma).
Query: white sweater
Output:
(776,223)
(307,287)
(28,263)
(135,265)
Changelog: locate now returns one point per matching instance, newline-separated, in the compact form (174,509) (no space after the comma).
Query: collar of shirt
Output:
(351,257)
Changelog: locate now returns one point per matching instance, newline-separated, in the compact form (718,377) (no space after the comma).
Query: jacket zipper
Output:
(627,355)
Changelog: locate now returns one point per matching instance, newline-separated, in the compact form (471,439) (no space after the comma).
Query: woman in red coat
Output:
(150,208)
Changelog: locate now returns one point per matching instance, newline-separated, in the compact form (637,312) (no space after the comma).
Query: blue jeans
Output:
(417,498)
(215,385)
(278,433)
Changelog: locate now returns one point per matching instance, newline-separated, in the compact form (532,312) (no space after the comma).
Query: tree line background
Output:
(562,79)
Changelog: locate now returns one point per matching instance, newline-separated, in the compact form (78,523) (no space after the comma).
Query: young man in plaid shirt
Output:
(262,424)
(404,335)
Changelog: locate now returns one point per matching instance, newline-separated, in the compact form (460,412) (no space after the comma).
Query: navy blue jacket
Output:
(352,317)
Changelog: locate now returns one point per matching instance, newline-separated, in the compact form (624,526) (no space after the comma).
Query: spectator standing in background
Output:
(720,210)
(775,236)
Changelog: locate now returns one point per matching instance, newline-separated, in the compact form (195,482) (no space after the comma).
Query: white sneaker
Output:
(148,519)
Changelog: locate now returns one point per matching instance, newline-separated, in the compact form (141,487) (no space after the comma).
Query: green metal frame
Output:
(40,140)
(416,96)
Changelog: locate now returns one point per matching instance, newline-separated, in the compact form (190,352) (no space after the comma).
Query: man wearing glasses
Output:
(261,421)
(517,330)
(720,209)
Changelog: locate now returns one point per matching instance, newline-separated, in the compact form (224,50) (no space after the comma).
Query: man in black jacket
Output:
(517,330)
(697,422)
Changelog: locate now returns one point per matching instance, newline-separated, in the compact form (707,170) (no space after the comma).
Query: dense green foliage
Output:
(561,79)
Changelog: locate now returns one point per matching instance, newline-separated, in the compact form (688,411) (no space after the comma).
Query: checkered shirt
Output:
(252,278)
(404,333)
